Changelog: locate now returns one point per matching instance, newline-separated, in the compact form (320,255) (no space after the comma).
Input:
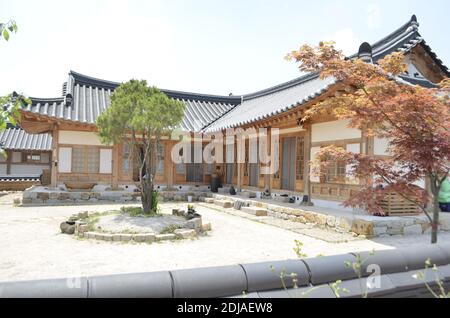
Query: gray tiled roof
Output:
(91,96)
(18,139)
(84,97)
(273,101)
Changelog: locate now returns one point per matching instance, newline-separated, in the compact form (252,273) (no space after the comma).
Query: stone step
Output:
(223,190)
(254,210)
(248,194)
(280,198)
(224,203)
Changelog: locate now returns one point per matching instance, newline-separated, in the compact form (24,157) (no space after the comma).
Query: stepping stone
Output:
(281,199)
(254,210)
(224,203)
(209,200)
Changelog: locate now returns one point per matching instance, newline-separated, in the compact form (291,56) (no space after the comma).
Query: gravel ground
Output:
(32,247)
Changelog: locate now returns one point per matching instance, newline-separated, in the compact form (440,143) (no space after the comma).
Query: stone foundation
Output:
(363,225)
(44,196)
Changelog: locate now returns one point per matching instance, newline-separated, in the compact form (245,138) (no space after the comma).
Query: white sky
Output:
(204,46)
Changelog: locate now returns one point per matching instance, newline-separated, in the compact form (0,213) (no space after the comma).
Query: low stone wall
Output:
(363,225)
(38,196)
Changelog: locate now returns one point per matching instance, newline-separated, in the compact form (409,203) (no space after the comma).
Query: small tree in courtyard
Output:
(415,121)
(140,115)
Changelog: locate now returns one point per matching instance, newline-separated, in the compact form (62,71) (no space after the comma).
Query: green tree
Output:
(9,111)
(7,28)
(140,115)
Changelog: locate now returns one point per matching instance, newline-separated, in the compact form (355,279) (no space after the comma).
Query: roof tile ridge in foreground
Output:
(280,87)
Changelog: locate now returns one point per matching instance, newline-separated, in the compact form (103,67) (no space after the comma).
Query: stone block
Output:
(185,234)
(147,237)
(85,196)
(27,201)
(415,229)
(90,235)
(206,227)
(108,237)
(53,195)
(63,196)
(17,200)
(224,203)
(380,230)
(331,221)
(362,227)
(194,224)
(126,237)
(43,196)
(209,200)
(99,236)
(248,194)
(255,211)
(117,238)
(345,224)
(165,237)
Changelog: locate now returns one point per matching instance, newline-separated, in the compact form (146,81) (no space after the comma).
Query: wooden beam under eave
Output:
(33,127)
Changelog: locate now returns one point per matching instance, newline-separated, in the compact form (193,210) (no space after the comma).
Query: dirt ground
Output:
(32,247)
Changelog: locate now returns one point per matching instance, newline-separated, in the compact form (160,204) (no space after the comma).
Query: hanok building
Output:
(28,157)
(78,156)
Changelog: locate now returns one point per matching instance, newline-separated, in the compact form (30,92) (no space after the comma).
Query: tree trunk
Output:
(435,224)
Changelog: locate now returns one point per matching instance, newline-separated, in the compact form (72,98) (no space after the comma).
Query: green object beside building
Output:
(444,194)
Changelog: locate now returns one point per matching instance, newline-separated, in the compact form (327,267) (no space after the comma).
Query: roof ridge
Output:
(97,82)
(299,80)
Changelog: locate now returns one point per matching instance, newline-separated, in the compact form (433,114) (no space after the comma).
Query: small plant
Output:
(137,212)
(357,268)
(422,276)
(298,249)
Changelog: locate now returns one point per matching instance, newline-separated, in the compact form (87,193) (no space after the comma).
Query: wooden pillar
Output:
(55,150)
(307,159)
(268,176)
(168,165)
(8,162)
(115,167)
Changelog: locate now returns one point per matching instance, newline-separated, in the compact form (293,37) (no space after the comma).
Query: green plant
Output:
(138,212)
(357,268)
(298,249)
(141,116)
(422,276)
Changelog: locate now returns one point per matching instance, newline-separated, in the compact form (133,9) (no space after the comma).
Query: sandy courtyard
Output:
(32,247)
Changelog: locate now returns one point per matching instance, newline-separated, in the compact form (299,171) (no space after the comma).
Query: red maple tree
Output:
(415,121)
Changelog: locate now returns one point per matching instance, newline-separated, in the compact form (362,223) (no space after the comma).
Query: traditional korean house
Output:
(79,156)
(27,158)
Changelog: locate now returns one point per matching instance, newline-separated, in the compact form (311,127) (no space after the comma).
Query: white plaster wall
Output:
(333,130)
(27,170)
(69,137)
(105,161)
(65,160)
(380,146)
(3,169)
(16,157)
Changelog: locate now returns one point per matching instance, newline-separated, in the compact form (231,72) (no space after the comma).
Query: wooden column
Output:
(8,162)
(55,150)
(115,166)
(168,164)
(268,177)
(306,168)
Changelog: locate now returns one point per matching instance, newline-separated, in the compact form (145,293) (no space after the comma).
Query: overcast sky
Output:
(204,46)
